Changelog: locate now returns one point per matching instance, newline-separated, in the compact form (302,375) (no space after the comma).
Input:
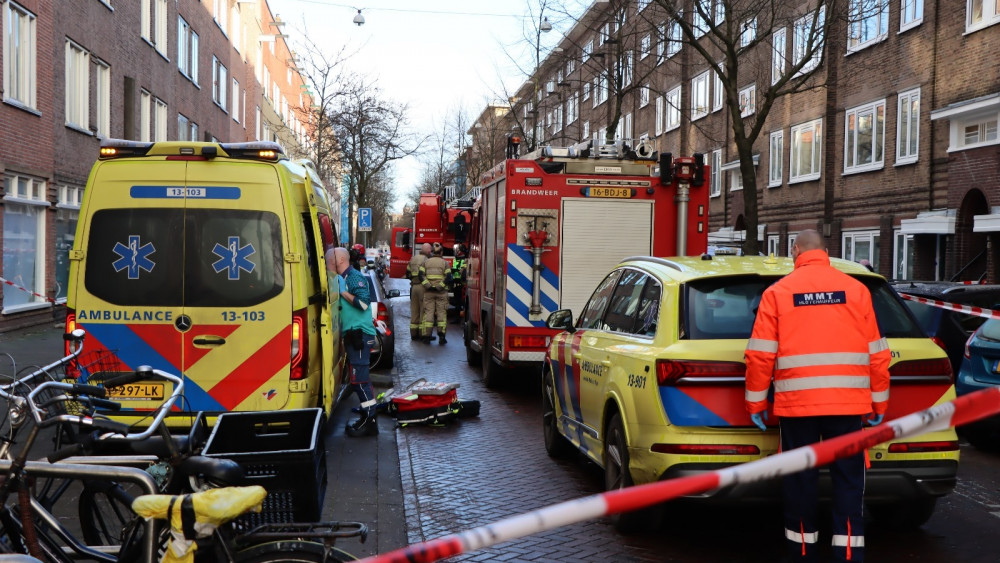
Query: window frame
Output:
(816,160)
(911,14)
(775,158)
(877,147)
(718,99)
(778,49)
(20,81)
(908,135)
(748,95)
(34,202)
(102,97)
(701,80)
(986,20)
(672,110)
(77,87)
(715,177)
(804,25)
(858,25)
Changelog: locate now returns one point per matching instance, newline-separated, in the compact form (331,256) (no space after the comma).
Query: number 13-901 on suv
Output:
(649,384)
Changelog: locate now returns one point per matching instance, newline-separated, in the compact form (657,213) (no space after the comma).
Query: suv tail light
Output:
(968,342)
(921,370)
(939,342)
(300,345)
(382,314)
(706,449)
(680,372)
(922,447)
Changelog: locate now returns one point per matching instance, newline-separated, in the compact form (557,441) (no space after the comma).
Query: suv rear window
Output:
(136,257)
(725,307)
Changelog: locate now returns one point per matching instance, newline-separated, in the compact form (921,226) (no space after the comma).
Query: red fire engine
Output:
(551,224)
(433,222)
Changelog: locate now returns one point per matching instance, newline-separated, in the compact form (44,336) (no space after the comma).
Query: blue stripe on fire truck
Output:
(134,351)
(519,276)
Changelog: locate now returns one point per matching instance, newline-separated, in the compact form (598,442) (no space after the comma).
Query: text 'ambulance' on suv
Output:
(649,384)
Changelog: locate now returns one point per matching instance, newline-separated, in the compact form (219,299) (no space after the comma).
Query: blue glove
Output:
(875,419)
(342,283)
(758,418)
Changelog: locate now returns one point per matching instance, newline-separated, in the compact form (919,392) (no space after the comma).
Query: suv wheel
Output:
(555,444)
(618,476)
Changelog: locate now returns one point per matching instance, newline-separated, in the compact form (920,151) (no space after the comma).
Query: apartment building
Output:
(77,72)
(890,151)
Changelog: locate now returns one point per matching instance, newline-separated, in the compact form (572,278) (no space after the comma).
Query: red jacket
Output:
(815,335)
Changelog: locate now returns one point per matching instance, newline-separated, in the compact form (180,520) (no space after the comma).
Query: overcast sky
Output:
(435,55)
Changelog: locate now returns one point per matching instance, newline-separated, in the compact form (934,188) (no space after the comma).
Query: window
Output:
(748,33)
(586,91)
(868,23)
(160,119)
(644,96)
(642,5)
(658,125)
(735,179)
(600,89)
(145,116)
(978,132)
(236,101)
(219,80)
(777,55)
(570,66)
(67,215)
(627,68)
(806,151)
(911,14)
(774,163)
(183,129)
(221,14)
(715,178)
(573,108)
(102,97)
(644,45)
(772,245)
(19,56)
(700,16)
(859,246)
(699,96)
(807,40)
(903,252)
(661,42)
(234,27)
(77,86)
(187,50)
(557,119)
(674,40)
(908,127)
(24,241)
(587,50)
(718,94)
(585,131)
(621,315)
(748,100)
(153,19)
(673,117)
(864,137)
(981,13)
(624,128)
(593,312)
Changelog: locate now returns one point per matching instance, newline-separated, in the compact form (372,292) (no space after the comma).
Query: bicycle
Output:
(141,540)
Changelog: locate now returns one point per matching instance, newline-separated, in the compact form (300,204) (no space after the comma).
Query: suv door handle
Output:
(209,340)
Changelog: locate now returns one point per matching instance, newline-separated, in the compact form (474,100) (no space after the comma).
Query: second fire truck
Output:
(551,224)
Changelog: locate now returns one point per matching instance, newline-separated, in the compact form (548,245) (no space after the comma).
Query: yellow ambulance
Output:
(207,260)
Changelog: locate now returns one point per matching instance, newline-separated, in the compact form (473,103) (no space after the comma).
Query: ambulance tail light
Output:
(706,449)
(528,341)
(696,372)
(923,447)
(939,342)
(922,371)
(300,343)
(72,368)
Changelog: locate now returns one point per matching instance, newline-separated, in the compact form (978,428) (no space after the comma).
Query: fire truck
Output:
(434,221)
(550,225)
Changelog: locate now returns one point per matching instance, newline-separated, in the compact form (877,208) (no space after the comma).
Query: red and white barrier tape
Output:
(976,311)
(26,290)
(961,411)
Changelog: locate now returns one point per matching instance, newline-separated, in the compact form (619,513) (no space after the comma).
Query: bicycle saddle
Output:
(218,471)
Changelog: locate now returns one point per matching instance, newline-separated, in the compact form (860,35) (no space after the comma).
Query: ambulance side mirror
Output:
(561,320)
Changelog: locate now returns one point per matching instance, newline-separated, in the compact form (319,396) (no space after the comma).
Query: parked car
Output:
(980,369)
(384,351)
(649,384)
(950,329)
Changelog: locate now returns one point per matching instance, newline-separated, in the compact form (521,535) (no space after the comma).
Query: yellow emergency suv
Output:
(207,260)
(649,384)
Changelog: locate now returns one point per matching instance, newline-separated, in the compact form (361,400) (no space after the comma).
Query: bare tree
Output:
(444,160)
(487,141)
(372,133)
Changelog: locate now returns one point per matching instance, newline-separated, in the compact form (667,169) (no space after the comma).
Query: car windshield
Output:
(991,329)
(725,307)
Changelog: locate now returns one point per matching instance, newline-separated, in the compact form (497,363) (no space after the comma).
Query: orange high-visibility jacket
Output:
(817,337)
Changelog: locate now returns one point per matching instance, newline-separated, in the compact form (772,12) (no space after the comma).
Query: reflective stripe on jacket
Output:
(413,268)
(817,337)
(432,273)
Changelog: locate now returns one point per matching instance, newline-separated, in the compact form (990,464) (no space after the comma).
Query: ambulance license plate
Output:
(623,193)
(137,391)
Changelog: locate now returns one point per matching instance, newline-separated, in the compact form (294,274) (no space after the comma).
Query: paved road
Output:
(477,471)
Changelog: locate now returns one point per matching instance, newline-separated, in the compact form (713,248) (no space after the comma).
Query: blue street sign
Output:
(365,219)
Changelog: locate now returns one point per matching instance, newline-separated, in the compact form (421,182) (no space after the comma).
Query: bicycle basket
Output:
(97,364)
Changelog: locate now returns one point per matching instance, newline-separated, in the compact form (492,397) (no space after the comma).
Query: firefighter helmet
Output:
(437,249)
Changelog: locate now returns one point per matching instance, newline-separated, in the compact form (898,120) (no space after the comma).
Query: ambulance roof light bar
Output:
(119,148)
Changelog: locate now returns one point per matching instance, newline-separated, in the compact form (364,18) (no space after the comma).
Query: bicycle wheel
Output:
(292,551)
(105,509)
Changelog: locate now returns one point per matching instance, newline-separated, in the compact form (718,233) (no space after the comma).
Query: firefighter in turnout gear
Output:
(817,343)
(417,290)
(435,276)
(458,280)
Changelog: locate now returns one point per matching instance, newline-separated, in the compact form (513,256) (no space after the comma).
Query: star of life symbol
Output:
(133,257)
(233,258)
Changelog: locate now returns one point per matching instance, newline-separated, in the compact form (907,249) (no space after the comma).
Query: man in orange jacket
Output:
(817,341)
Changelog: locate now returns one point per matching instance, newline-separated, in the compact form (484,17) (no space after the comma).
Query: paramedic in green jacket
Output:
(358,331)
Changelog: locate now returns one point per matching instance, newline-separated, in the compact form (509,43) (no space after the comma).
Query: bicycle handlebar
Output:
(75,338)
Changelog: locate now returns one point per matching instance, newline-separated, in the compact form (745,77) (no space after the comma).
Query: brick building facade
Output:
(893,155)
(77,72)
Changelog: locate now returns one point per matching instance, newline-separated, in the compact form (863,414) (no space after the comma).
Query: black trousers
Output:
(801,491)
